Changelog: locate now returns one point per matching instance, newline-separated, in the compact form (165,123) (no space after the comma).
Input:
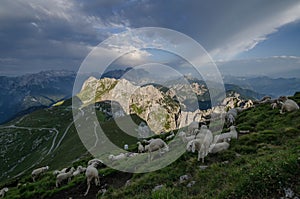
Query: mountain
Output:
(164,108)
(264,163)
(274,87)
(23,94)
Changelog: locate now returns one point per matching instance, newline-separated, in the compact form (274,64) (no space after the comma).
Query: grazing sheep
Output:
(226,137)
(79,170)
(156,144)
(205,133)
(288,105)
(141,148)
(217,147)
(170,136)
(117,157)
(185,138)
(201,144)
(64,176)
(3,191)
(37,172)
(91,173)
(90,162)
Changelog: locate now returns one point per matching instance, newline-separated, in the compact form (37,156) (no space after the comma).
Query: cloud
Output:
(41,35)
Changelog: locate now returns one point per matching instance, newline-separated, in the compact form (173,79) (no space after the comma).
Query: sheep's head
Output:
(47,167)
(5,189)
(211,147)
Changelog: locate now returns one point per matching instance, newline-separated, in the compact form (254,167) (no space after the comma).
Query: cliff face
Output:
(163,111)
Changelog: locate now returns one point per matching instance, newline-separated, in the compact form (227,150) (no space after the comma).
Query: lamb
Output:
(37,172)
(79,170)
(184,137)
(170,136)
(288,105)
(156,144)
(63,176)
(117,157)
(3,191)
(91,173)
(141,148)
(217,147)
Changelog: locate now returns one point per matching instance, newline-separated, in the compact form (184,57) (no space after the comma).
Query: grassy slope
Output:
(269,162)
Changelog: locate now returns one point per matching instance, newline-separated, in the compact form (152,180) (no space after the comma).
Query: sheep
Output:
(56,172)
(202,142)
(226,137)
(156,144)
(3,191)
(141,148)
(79,170)
(91,173)
(205,133)
(117,157)
(90,162)
(288,105)
(63,176)
(217,147)
(170,136)
(184,137)
(37,172)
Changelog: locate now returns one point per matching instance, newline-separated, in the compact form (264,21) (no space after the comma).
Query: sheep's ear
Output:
(193,147)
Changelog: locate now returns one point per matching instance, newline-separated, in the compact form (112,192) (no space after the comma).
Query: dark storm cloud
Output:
(41,35)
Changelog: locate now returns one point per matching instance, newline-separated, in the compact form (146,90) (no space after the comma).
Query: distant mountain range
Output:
(266,85)
(23,94)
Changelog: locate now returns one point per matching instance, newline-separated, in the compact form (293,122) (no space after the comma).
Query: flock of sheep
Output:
(197,139)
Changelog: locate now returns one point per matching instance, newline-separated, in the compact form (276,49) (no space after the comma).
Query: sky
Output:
(243,37)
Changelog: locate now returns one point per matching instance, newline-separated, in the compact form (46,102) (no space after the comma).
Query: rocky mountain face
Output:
(163,109)
(20,95)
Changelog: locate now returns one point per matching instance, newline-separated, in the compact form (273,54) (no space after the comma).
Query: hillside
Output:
(262,164)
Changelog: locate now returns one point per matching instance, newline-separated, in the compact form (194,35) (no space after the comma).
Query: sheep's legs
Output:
(88,187)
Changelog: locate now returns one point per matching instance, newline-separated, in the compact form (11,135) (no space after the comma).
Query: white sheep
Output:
(199,145)
(185,138)
(37,172)
(3,191)
(91,173)
(170,136)
(288,105)
(141,148)
(117,157)
(226,137)
(64,176)
(79,170)
(217,147)
(156,144)
(205,133)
